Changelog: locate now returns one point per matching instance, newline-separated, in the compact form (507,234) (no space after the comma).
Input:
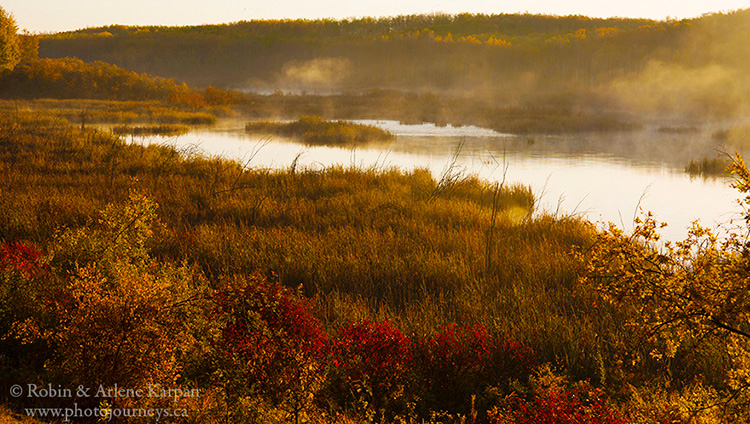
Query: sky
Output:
(61,15)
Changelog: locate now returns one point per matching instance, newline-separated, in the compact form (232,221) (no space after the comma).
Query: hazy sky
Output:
(59,15)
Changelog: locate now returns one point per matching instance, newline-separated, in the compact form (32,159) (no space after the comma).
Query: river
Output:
(602,177)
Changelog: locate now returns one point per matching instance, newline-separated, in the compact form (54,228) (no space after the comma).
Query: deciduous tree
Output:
(10,52)
(685,294)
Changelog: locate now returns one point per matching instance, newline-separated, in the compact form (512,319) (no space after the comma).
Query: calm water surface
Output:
(603,177)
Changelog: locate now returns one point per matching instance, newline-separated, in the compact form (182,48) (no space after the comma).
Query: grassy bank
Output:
(84,112)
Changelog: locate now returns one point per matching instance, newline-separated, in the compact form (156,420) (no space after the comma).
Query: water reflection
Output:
(604,177)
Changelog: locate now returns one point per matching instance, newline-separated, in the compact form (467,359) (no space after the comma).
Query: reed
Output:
(315,130)
(376,244)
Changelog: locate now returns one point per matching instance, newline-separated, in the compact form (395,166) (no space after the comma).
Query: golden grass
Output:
(315,130)
(84,112)
(381,242)
(163,129)
(377,243)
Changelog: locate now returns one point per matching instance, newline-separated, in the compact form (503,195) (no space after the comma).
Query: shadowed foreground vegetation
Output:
(334,295)
(315,130)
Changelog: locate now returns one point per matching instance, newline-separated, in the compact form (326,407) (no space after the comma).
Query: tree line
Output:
(419,51)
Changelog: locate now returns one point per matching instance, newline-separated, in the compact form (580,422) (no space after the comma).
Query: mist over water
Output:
(602,177)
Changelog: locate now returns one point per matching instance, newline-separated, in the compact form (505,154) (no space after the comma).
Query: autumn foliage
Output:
(115,291)
(271,345)
(71,78)
(103,285)
(371,362)
(460,362)
(581,405)
(19,257)
(265,322)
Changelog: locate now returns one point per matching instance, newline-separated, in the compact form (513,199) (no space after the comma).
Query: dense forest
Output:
(387,52)
(691,66)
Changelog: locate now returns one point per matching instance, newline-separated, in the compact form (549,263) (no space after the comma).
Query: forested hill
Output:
(458,25)
(360,53)
(498,55)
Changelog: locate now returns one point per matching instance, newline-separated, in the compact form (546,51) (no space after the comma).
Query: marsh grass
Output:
(163,129)
(708,167)
(372,241)
(84,112)
(364,243)
(315,130)
(540,116)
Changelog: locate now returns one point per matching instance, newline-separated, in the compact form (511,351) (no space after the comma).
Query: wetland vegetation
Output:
(708,167)
(164,129)
(316,130)
(364,294)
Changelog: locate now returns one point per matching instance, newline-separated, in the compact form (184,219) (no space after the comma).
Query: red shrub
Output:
(513,359)
(458,350)
(459,362)
(271,336)
(20,257)
(372,356)
(578,406)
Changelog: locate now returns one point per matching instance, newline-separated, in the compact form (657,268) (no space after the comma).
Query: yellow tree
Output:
(10,52)
(689,293)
